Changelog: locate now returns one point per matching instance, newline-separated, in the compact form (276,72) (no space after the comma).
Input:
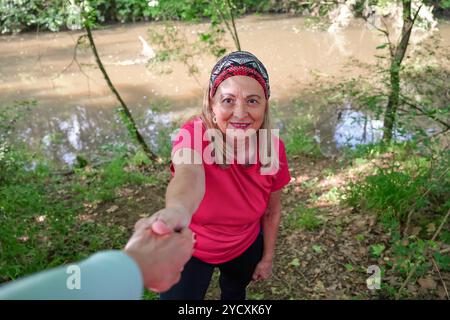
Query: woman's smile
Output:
(239,125)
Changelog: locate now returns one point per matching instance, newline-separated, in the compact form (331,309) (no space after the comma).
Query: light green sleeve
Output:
(104,275)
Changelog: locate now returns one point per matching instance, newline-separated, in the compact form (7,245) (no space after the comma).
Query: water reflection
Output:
(355,127)
(76,114)
(348,127)
(83,131)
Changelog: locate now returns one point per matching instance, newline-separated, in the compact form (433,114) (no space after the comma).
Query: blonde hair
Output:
(207,118)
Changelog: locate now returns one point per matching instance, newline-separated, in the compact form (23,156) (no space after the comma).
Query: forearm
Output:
(105,275)
(270,225)
(185,191)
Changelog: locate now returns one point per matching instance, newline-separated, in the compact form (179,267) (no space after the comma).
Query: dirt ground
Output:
(328,262)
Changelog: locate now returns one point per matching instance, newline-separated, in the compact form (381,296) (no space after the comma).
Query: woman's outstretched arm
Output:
(183,196)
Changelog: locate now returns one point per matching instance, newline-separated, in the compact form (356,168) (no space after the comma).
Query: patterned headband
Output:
(239,63)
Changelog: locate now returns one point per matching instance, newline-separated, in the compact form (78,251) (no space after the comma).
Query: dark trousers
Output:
(235,275)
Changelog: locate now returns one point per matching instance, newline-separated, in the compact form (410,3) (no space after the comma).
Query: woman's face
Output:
(239,103)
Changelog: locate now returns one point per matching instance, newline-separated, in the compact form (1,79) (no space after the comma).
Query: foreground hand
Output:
(165,221)
(263,270)
(161,258)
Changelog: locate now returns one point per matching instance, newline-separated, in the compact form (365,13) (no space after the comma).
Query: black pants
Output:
(235,275)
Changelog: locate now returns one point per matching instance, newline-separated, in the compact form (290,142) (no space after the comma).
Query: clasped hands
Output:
(161,245)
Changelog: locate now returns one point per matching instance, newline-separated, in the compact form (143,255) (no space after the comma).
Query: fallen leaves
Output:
(427,283)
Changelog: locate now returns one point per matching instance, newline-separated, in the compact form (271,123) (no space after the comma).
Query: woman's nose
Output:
(241,110)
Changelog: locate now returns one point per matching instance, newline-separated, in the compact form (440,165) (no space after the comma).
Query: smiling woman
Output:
(234,208)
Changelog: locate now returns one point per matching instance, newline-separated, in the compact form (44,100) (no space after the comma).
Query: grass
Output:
(41,224)
(299,141)
(100,184)
(305,218)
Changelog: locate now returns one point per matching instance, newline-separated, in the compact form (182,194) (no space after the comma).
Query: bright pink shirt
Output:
(228,219)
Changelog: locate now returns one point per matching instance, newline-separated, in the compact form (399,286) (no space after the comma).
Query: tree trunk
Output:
(131,124)
(397,56)
(391,108)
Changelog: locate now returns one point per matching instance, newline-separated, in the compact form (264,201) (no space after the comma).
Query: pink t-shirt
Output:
(228,219)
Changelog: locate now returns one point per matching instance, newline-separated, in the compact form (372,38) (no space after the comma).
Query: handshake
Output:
(161,245)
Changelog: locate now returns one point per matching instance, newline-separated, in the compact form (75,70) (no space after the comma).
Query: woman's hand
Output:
(160,258)
(263,270)
(165,221)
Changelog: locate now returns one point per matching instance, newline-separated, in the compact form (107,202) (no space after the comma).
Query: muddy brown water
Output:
(75,112)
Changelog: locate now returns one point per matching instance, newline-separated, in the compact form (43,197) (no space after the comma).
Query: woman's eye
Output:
(227,100)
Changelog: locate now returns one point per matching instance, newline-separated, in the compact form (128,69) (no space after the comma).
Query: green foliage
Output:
(414,179)
(150,295)
(410,252)
(377,249)
(390,193)
(21,15)
(10,158)
(41,225)
(349,267)
(101,184)
(317,249)
(305,218)
(40,213)
(300,142)
(298,138)
(55,15)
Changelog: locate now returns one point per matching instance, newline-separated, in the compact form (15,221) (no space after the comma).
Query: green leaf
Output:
(295,262)
(377,249)
(349,267)
(382,46)
(317,248)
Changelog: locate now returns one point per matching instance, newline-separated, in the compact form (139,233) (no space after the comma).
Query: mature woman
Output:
(233,207)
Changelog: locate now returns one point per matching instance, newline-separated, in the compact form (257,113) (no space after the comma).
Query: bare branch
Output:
(423,112)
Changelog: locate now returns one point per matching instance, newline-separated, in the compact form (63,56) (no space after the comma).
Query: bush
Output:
(410,182)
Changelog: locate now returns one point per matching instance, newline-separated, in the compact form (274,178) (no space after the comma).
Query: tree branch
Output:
(132,128)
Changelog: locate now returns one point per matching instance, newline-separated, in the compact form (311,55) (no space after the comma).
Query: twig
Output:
(75,59)
(230,9)
(383,31)
(445,124)
(434,135)
(224,20)
(440,277)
